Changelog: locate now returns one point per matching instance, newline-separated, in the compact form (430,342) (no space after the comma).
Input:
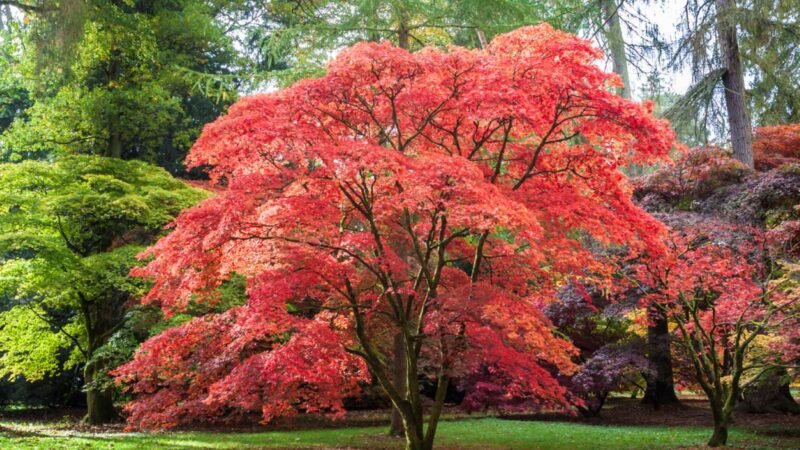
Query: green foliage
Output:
(144,321)
(31,349)
(13,95)
(120,346)
(230,293)
(70,231)
(294,40)
(769,48)
(117,93)
(680,110)
(434,22)
(767,39)
(81,204)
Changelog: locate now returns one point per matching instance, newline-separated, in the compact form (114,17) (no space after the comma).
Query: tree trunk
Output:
(397,427)
(616,44)
(410,405)
(414,440)
(417,436)
(770,394)
(482,41)
(720,436)
(722,419)
(733,81)
(619,59)
(114,142)
(433,422)
(99,402)
(101,316)
(660,385)
(399,378)
(403,33)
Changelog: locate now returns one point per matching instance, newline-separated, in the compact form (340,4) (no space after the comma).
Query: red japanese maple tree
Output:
(717,285)
(439,197)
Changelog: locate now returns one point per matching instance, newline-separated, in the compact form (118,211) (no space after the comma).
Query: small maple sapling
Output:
(441,196)
(716,286)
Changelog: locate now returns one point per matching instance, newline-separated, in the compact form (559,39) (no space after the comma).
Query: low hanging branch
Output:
(695,97)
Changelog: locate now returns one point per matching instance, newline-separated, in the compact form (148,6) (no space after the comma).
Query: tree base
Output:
(719,438)
(770,394)
(100,408)
(660,395)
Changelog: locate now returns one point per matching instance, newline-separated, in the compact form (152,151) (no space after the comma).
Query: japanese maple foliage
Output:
(697,174)
(776,145)
(442,196)
(717,285)
(612,357)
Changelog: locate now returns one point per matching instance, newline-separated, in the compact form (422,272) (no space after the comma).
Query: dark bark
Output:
(660,389)
(399,379)
(114,142)
(99,399)
(403,33)
(770,394)
(722,420)
(397,427)
(102,317)
(733,81)
(99,402)
(441,393)
(593,405)
(720,436)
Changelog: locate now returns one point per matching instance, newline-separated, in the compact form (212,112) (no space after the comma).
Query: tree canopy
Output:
(443,195)
(69,235)
(108,80)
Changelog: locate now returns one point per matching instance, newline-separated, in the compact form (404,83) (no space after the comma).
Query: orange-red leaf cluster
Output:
(776,145)
(445,193)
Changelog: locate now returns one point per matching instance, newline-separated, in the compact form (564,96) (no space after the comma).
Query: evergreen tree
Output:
(744,59)
(103,80)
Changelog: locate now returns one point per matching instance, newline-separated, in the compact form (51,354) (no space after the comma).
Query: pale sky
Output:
(666,15)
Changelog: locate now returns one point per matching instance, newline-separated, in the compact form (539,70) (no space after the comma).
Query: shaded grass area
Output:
(483,433)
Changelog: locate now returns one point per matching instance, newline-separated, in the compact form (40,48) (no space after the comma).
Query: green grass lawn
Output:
(485,433)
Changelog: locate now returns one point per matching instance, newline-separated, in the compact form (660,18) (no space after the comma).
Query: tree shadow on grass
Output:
(19,434)
(778,431)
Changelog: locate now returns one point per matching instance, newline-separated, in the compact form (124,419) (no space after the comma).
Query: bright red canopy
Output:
(443,195)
